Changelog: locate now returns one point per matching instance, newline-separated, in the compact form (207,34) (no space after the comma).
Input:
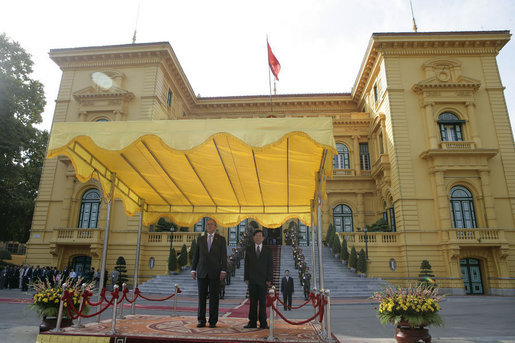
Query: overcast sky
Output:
(221,45)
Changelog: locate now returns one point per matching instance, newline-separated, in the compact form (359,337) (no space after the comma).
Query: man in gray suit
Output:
(208,267)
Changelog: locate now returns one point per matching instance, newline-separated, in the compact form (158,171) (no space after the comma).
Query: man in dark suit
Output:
(208,267)
(258,275)
(287,289)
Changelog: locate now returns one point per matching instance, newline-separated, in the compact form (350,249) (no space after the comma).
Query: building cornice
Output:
(426,43)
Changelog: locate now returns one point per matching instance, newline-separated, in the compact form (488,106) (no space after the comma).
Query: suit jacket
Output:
(258,270)
(209,264)
(287,286)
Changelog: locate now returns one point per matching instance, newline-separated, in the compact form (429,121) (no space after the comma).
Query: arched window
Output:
(101,120)
(341,161)
(342,218)
(89,207)
(450,127)
(462,208)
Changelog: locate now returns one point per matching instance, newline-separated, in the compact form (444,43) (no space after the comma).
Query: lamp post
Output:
(365,229)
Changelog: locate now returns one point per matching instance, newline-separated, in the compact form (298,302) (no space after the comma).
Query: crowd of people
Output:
(20,277)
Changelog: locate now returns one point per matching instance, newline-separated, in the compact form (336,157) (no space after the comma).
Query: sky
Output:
(221,45)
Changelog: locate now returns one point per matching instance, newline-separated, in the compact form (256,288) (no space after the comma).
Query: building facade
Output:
(424,142)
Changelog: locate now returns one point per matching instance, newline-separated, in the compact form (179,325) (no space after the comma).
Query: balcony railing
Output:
(457,145)
(477,235)
(373,238)
(164,238)
(77,235)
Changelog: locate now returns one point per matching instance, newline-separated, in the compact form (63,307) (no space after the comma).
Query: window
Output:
(201,224)
(462,208)
(89,207)
(376,93)
(342,218)
(364,157)
(169,98)
(101,120)
(341,161)
(392,219)
(450,127)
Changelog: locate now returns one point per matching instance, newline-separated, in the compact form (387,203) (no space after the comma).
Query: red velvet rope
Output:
(66,297)
(87,294)
(295,307)
(136,295)
(163,299)
(323,302)
(319,313)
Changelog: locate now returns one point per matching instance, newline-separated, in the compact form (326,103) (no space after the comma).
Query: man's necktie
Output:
(258,251)
(209,241)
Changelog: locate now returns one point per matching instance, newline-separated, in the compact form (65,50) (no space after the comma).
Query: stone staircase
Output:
(164,284)
(338,278)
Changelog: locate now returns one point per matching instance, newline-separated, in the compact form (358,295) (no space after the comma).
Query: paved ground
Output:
(470,319)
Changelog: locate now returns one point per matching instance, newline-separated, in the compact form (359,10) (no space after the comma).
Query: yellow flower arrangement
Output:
(48,296)
(418,305)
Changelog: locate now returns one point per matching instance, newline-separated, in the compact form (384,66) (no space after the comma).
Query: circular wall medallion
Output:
(393,264)
(443,76)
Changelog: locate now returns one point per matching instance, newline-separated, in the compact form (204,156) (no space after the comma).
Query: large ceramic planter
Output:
(405,333)
(49,323)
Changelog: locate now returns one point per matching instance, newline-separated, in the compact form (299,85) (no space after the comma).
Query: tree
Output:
(353,259)
(381,225)
(336,244)
(121,267)
(172,261)
(362,262)
(329,235)
(183,256)
(344,254)
(426,273)
(22,146)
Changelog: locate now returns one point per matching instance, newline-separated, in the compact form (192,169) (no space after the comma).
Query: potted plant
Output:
(353,259)
(336,246)
(411,309)
(344,252)
(172,262)
(48,297)
(362,263)
(183,257)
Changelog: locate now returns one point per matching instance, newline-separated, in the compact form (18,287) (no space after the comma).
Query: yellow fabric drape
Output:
(227,169)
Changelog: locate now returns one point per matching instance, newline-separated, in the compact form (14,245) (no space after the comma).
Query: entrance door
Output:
(81,264)
(273,236)
(471,275)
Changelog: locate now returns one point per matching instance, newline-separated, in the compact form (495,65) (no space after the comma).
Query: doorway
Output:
(273,236)
(81,264)
(471,275)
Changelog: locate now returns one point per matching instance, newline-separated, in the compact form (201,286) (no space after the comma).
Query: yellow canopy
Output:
(226,169)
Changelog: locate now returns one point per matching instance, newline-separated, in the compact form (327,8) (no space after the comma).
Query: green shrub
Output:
(426,274)
(172,261)
(344,253)
(336,244)
(183,256)
(380,225)
(329,237)
(121,267)
(353,259)
(362,262)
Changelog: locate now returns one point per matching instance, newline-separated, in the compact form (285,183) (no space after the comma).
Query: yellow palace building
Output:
(424,141)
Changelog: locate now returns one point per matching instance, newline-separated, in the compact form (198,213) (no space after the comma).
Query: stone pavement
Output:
(477,319)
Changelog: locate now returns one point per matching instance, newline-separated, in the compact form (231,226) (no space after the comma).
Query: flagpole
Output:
(269,78)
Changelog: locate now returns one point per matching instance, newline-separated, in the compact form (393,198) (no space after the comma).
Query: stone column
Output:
(490,216)
(444,210)
(357,165)
(431,126)
(361,211)
(473,123)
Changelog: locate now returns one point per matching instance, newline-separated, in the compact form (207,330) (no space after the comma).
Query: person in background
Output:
(287,289)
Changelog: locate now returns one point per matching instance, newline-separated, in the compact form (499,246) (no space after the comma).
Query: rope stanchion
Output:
(270,302)
(81,306)
(177,291)
(113,319)
(328,316)
(60,314)
(71,307)
(125,289)
(272,292)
